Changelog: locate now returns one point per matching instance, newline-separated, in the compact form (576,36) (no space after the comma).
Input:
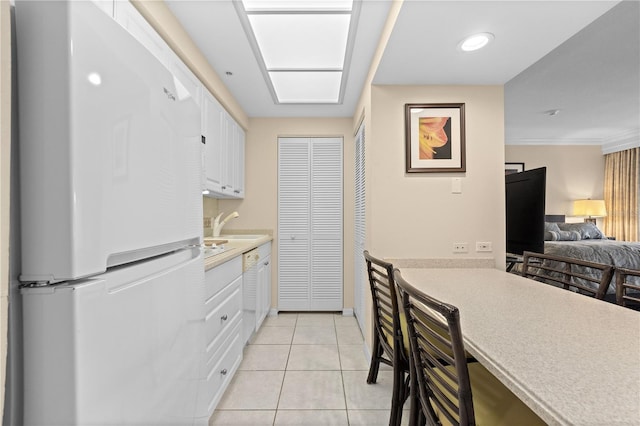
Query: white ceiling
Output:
(593,78)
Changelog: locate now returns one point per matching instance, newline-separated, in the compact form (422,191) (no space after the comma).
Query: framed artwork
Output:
(510,168)
(434,136)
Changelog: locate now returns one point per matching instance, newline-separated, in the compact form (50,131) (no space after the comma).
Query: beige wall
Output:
(418,216)
(259,208)
(5,156)
(573,172)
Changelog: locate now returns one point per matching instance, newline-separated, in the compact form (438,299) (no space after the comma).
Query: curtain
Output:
(621,186)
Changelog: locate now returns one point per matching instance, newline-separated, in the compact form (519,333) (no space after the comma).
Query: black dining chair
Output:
(390,344)
(628,288)
(580,276)
(445,389)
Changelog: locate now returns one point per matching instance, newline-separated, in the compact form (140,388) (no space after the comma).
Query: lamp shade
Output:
(591,208)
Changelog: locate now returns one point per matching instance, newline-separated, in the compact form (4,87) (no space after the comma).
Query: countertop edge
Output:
(236,248)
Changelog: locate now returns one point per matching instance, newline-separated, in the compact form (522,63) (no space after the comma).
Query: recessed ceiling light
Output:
(475,42)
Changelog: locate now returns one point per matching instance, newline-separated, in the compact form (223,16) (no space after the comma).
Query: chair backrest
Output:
(438,361)
(584,277)
(386,309)
(628,287)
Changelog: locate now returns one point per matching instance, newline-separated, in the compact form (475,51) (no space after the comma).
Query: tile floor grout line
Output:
(284,374)
(344,391)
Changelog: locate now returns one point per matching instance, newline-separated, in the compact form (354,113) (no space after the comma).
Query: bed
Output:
(586,241)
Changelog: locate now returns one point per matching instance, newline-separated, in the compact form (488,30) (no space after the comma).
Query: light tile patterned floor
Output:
(306,369)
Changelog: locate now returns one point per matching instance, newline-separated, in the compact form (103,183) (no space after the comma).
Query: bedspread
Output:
(617,253)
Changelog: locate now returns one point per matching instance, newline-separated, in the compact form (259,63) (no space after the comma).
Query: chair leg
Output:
(397,397)
(401,394)
(377,352)
(415,417)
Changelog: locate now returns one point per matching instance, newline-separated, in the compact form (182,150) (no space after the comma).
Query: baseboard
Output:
(347,312)
(366,350)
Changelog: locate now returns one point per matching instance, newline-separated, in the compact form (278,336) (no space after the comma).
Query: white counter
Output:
(234,248)
(573,359)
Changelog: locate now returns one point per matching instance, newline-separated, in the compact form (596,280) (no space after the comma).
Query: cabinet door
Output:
(238,162)
(187,84)
(228,165)
(105,5)
(213,131)
(264,290)
(129,17)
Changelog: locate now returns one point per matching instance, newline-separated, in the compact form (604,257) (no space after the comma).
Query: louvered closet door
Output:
(326,224)
(360,269)
(310,224)
(294,186)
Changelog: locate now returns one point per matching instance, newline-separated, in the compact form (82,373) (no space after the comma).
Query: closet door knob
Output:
(224,317)
(223,371)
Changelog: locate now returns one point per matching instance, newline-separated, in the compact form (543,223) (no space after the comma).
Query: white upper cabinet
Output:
(105,5)
(224,152)
(213,131)
(223,138)
(234,170)
(186,83)
(129,17)
(239,162)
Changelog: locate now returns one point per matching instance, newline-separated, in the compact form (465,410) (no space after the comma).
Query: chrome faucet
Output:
(217,225)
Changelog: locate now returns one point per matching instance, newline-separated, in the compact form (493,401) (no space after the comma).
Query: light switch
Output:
(456,186)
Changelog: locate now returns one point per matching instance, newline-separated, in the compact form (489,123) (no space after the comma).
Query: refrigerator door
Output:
(109,145)
(122,348)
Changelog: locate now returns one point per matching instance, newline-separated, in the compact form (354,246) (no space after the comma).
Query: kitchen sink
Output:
(212,251)
(241,236)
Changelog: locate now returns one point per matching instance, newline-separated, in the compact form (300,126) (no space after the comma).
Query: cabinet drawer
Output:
(223,368)
(222,309)
(220,276)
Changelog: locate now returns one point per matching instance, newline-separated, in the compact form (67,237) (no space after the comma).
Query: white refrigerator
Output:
(111,222)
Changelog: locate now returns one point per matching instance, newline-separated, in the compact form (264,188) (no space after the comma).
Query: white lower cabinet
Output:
(223,331)
(263,289)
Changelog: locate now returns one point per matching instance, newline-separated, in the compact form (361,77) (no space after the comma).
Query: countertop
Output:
(235,248)
(571,358)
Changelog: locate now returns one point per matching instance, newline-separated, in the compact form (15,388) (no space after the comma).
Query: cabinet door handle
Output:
(266,263)
(223,371)
(224,317)
(236,191)
(224,187)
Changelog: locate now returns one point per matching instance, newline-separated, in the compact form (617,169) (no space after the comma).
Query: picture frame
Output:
(510,168)
(435,138)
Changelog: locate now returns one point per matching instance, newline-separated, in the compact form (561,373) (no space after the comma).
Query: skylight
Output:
(302,46)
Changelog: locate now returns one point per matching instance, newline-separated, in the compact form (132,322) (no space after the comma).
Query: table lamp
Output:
(589,208)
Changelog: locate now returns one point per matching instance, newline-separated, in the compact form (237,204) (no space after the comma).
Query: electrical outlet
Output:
(460,247)
(483,246)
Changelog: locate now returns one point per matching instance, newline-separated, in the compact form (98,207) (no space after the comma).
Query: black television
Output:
(525,208)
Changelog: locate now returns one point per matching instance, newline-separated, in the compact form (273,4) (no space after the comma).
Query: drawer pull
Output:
(224,317)
(223,371)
